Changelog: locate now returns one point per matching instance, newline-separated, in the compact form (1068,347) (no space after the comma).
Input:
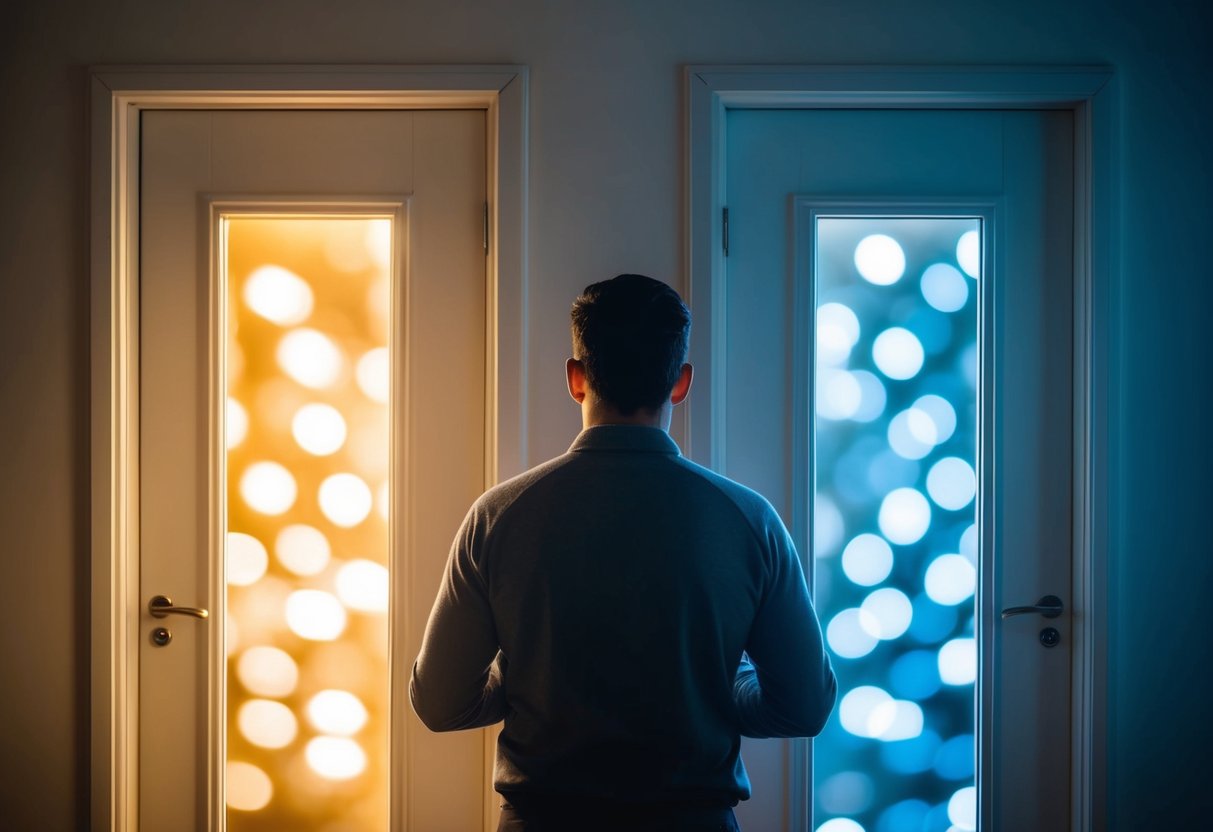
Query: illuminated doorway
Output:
(448,181)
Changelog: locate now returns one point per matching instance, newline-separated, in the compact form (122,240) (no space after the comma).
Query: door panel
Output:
(788,173)
(433,446)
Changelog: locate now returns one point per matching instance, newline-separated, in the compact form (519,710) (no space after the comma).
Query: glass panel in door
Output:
(307,435)
(896,543)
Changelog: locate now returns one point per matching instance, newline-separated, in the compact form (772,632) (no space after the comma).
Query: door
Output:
(311,426)
(904,281)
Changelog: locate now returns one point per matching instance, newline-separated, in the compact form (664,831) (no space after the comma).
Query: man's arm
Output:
(458,678)
(786,686)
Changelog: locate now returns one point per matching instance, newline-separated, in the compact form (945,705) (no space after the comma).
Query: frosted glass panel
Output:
(307,510)
(895,540)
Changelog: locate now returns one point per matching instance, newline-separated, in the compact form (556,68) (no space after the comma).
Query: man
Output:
(628,613)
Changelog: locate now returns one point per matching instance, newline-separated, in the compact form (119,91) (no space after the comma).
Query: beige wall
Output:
(606,193)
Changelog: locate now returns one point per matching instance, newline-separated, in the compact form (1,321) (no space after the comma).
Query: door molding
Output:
(117,96)
(1090,94)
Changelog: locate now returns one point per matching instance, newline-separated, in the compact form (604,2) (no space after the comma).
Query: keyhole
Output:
(161,636)
(1050,637)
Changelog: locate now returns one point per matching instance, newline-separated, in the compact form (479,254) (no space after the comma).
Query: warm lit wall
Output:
(606,191)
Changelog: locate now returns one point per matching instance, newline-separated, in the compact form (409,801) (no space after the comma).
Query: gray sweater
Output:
(600,604)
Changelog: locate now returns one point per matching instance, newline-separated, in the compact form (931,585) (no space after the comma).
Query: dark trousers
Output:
(598,818)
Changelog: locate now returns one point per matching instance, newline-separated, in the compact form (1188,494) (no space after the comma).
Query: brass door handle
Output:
(161,606)
(1049,606)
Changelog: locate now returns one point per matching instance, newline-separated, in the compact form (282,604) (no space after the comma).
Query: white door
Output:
(312,327)
(899,337)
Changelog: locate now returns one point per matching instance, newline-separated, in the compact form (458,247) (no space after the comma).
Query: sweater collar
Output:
(625,438)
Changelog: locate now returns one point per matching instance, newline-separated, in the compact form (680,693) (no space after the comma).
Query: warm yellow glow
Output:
(246,559)
(363,585)
(373,376)
(302,549)
(345,247)
(278,295)
(379,307)
(310,358)
(382,504)
(267,723)
(319,429)
(345,499)
(308,459)
(248,787)
(335,758)
(315,614)
(237,423)
(337,712)
(378,242)
(267,671)
(268,487)
(231,636)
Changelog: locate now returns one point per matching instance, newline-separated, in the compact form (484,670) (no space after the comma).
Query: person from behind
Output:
(629,614)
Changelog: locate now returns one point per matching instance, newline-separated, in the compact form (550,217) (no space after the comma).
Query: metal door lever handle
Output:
(1049,606)
(161,606)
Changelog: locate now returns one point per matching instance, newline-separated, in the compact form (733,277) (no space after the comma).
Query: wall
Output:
(606,196)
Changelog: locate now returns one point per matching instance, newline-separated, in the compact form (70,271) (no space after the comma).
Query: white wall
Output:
(606,196)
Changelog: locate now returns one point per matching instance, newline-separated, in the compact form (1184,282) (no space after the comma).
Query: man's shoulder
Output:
(500,497)
(752,505)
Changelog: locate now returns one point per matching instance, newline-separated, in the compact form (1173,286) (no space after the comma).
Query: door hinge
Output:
(486,228)
(725,230)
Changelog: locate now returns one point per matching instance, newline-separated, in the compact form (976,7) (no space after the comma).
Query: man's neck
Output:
(597,413)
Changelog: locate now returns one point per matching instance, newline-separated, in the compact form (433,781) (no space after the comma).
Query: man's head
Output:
(630,336)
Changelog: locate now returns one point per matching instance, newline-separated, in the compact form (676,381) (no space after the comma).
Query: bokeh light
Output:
(335,758)
(363,585)
(345,499)
(236,423)
(850,633)
(267,671)
(867,560)
(268,487)
(249,789)
(336,712)
(950,579)
(879,259)
(319,429)
(895,438)
(310,358)
(278,295)
(898,353)
(904,516)
(246,559)
(267,723)
(302,549)
(315,614)
(372,375)
(968,253)
(944,287)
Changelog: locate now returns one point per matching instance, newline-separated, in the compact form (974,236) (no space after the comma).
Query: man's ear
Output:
(574,372)
(682,387)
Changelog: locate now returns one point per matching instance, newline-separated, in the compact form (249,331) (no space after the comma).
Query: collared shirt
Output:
(601,604)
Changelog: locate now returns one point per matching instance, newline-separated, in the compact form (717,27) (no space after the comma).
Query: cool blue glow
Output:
(894,449)
(915,675)
(955,758)
(903,816)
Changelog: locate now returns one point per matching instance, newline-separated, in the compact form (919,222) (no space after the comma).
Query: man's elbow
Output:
(816,707)
(429,709)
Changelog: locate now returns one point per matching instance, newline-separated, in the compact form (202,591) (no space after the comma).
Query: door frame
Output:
(117,96)
(1090,94)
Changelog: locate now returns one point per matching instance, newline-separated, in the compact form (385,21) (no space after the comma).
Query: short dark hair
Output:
(631,334)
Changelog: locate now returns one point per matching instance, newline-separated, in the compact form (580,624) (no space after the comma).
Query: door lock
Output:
(161,636)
